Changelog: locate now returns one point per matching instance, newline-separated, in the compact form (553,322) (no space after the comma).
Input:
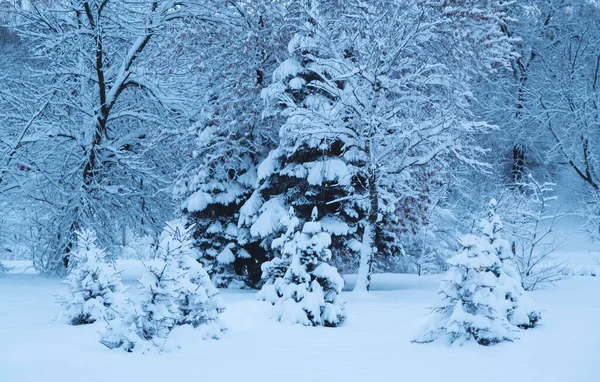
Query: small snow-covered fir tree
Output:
(273,271)
(470,309)
(309,292)
(174,290)
(148,321)
(196,298)
(520,309)
(94,285)
(482,296)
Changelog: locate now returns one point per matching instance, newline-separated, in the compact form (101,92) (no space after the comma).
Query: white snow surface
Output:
(372,345)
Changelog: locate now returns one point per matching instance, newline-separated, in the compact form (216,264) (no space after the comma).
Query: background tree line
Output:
(397,119)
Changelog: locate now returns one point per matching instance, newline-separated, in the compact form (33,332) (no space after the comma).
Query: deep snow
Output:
(373,344)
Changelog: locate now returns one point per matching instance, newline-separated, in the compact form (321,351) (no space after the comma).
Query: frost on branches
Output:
(102,163)
(531,221)
(309,292)
(365,124)
(175,290)
(94,285)
(482,297)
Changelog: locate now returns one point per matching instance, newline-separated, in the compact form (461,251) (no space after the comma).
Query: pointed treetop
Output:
(314,214)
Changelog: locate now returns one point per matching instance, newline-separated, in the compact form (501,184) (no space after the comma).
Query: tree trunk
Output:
(368,249)
(363,281)
(518,165)
(521,71)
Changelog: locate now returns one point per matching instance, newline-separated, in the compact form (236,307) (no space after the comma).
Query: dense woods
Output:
(395,120)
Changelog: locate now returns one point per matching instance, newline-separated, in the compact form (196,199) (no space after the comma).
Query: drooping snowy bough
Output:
(213,207)
(175,290)
(309,291)
(94,285)
(482,298)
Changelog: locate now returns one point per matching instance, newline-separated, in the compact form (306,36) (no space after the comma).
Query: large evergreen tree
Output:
(366,110)
(230,138)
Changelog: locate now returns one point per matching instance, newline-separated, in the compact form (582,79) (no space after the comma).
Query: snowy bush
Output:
(94,285)
(481,295)
(308,293)
(174,290)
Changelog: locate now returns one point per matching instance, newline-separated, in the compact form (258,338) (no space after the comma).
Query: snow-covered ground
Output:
(373,345)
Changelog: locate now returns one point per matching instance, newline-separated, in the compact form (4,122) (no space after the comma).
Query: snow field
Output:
(372,345)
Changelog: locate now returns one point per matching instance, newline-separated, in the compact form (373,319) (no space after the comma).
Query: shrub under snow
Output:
(482,297)
(175,290)
(95,287)
(309,292)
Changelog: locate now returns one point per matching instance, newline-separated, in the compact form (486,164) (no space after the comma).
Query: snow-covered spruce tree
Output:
(470,308)
(174,290)
(95,288)
(197,298)
(216,195)
(274,270)
(366,109)
(158,295)
(309,292)
(482,296)
(229,139)
(520,310)
(148,321)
